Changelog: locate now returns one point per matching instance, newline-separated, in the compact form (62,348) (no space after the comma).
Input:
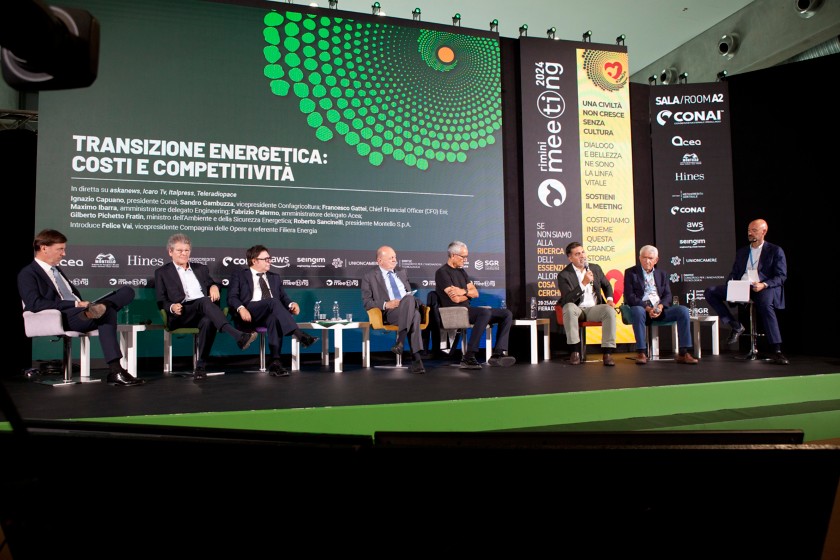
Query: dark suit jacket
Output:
(772,269)
(571,292)
(168,288)
(634,286)
(38,292)
(241,289)
(374,291)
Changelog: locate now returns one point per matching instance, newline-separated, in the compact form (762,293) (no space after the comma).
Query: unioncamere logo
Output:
(415,95)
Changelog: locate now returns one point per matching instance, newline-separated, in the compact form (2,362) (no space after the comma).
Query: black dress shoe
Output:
(735,334)
(245,340)
(307,340)
(276,369)
(123,379)
(574,359)
(608,360)
(779,358)
(200,373)
(397,348)
(416,367)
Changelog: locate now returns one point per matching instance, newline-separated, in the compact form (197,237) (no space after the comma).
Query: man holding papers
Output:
(387,288)
(764,266)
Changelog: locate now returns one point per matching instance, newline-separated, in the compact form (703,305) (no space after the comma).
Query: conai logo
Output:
(687,210)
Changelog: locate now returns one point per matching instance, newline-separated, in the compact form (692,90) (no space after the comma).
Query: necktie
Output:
(62,286)
(266,292)
(394,287)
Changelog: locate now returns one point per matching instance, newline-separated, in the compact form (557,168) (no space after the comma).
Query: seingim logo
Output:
(551,104)
(552,192)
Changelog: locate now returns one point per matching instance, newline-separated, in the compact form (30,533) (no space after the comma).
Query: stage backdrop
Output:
(577,164)
(692,185)
(319,133)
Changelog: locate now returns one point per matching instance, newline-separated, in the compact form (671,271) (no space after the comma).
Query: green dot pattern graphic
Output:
(416,96)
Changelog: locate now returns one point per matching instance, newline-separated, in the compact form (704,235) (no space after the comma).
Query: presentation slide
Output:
(319,133)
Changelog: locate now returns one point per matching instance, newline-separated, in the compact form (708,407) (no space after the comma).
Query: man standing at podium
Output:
(764,265)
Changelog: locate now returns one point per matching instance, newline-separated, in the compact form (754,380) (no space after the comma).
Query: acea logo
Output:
(552,192)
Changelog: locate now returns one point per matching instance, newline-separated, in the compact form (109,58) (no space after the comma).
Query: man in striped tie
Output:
(43,285)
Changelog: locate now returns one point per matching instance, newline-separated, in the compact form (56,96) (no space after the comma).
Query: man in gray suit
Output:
(387,288)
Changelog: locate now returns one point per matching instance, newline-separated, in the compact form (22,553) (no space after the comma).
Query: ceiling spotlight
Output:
(523,30)
(620,39)
(415,15)
(376,8)
(588,36)
(721,76)
(684,78)
(456,20)
(728,45)
(806,8)
(494,25)
(333,4)
(668,76)
(550,32)
(652,80)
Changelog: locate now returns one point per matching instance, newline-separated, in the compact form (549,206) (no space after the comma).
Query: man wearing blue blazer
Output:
(257,296)
(648,293)
(764,265)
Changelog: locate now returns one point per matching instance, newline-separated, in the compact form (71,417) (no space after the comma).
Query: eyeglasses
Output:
(262,259)
(461,256)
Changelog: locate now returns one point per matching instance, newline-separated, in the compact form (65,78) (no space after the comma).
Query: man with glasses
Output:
(190,298)
(454,288)
(257,296)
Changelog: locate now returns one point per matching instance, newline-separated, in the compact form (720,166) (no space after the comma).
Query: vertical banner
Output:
(692,185)
(577,164)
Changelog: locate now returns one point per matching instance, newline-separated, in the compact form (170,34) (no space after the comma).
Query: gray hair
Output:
(647,248)
(178,238)
(456,247)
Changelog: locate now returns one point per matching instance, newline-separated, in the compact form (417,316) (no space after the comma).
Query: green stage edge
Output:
(808,403)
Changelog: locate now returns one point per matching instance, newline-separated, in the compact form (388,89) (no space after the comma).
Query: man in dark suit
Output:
(386,287)
(43,285)
(189,296)
(764,265)
(587,295)
(648,293)
(257,296)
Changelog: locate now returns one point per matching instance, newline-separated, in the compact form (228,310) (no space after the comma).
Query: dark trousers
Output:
(764,310)
(480,317)
(277,320)
(204,314)
(107,324)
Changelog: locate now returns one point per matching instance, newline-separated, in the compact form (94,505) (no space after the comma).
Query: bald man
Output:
(765,266)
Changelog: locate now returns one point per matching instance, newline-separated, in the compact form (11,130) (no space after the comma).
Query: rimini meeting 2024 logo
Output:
(415,95)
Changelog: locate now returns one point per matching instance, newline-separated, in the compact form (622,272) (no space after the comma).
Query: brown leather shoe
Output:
(641,358)
(95,311)
(574,359)
(608,360)
(687,358)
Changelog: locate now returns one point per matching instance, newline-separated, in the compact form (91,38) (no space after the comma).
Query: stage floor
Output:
(315,386)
